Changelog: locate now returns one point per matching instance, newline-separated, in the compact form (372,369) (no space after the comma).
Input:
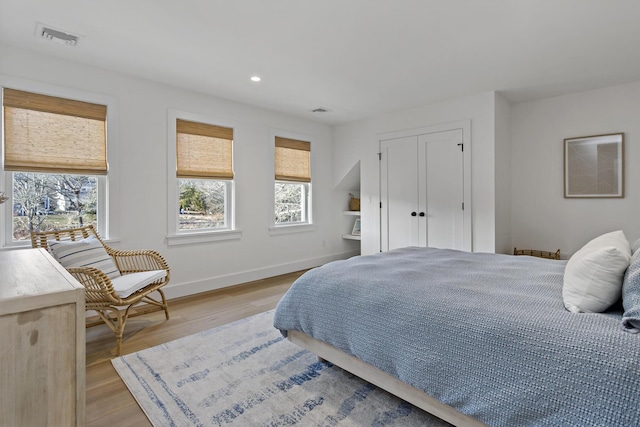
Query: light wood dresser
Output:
(42,342)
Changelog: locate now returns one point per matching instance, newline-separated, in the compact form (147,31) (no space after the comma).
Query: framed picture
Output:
(356,227)
(594,166)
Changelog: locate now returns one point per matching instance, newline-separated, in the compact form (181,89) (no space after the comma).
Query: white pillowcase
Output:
(593,275)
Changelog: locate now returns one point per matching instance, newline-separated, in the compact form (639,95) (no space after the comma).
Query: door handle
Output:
(413,214)
(421,213)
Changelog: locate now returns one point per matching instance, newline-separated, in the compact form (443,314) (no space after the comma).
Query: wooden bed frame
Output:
(383,380)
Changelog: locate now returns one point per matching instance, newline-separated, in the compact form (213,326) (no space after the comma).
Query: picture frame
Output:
(356,227)
(594,166)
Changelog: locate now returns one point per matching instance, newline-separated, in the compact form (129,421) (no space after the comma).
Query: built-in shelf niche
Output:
(350,184)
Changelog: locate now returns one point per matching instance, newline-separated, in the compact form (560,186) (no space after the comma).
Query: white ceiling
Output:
(357,58)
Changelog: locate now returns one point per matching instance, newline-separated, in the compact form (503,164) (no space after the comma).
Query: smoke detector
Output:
(46,32)
(320,110)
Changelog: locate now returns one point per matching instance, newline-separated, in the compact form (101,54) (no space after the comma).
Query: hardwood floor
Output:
(108,399)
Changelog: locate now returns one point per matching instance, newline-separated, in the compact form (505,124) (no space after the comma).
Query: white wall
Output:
(541,218)
(358,141)
(143,106)
(503,175)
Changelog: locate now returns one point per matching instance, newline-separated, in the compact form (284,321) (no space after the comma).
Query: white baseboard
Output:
(177,290)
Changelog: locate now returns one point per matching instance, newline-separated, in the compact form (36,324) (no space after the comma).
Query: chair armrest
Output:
(136,261)
(98,287)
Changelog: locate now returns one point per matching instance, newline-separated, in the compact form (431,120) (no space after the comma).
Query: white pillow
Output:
(87,252)
(593,275)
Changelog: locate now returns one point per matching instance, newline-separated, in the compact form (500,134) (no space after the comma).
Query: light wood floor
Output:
(109,402)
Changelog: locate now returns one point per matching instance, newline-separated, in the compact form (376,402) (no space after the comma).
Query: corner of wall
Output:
(502,120)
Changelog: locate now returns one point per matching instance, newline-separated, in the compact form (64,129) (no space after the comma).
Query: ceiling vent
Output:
(320,110)
(56,35)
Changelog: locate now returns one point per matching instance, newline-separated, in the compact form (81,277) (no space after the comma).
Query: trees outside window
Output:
(44,201)
(203,204)
(291,201)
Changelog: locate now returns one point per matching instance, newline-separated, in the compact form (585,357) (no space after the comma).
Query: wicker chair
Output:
(100,294)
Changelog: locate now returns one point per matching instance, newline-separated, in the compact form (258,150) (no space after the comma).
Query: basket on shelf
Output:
(354,203)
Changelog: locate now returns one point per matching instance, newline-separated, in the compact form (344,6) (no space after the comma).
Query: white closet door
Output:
(442,177)
(399,193)
(422,191)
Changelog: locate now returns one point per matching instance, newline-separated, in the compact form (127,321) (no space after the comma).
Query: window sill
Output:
(291,228)
(203,237)
(26,244)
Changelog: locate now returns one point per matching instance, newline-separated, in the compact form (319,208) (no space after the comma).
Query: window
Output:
(292,195)
(204,172)
(55,156)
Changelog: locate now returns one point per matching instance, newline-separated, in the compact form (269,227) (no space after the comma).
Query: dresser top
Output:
(33,273)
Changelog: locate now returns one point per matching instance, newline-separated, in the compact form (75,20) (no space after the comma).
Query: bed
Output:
(474,338)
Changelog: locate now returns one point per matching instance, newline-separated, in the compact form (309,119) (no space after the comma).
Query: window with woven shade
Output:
(204,170)
(56,149)
(292,181)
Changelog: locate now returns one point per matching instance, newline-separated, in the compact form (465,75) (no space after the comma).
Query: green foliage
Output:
(192,199)
(202,204)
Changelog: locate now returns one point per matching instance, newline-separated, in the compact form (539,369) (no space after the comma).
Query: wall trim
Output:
(213,283)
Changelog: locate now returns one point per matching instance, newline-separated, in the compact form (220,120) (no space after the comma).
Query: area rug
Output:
(246,374)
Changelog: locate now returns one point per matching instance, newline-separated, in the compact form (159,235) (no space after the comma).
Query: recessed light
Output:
(256,79)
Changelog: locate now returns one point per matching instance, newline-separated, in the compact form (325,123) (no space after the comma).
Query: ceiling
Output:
(357,58)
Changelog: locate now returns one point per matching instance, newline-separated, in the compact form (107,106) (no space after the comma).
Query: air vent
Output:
(56,35)
(320,110)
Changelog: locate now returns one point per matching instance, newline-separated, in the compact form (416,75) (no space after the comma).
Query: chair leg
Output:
(118,319)
(160,303)
(115,324)
(123,321)
(118,342)
(164,304)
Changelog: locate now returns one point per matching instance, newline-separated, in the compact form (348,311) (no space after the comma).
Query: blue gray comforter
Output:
(486,334)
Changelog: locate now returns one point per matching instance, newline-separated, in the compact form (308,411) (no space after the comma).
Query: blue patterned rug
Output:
(246,374)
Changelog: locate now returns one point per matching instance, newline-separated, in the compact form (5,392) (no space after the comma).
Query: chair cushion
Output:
(87,252)
(127,284)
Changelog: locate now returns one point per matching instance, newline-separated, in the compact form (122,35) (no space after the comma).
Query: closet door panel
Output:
(399,193)
(443,182)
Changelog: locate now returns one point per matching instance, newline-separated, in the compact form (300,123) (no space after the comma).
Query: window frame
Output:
(306,197)
(175,236)
(297,227)
(108,185)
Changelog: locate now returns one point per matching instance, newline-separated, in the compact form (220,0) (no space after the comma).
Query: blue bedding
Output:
(484,333)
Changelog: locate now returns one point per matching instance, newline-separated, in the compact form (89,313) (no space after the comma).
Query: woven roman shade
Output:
(292,160)
(203,150)
(49,134)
